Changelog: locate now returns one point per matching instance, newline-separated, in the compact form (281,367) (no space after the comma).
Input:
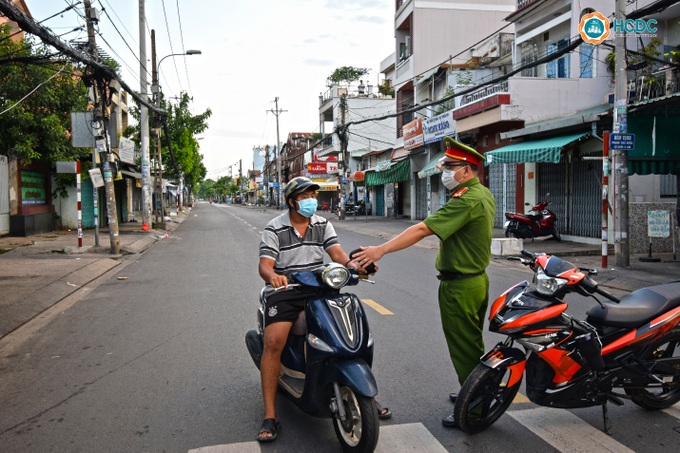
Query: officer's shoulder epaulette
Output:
(460,193)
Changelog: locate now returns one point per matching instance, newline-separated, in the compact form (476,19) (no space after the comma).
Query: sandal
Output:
(269,426)
(384,412)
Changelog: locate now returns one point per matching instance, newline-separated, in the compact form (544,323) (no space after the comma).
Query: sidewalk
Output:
(38,271)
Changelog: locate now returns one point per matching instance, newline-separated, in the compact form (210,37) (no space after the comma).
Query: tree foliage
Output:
(183,127)
(347,74)
(38,92)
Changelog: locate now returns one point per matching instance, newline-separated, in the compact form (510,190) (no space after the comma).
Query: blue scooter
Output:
(326,363)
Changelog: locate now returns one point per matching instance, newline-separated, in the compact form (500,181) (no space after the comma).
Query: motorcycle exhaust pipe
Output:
(591,350)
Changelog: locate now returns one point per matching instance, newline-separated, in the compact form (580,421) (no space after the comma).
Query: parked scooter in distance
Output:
(539,222)
(326,363)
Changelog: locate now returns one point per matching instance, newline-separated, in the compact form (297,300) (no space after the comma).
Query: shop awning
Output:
(426,75)
(546,150)
(431,167)
(132,174)
(327,186)
(400,171)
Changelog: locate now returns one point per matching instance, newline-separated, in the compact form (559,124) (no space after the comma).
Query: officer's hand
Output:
(368,255)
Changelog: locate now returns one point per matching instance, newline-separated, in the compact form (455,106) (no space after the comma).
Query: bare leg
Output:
(275,336)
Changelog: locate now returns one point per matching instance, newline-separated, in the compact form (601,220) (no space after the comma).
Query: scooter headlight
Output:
(335,275)
(547,285)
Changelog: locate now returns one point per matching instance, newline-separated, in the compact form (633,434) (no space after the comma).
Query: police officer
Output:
(464,226)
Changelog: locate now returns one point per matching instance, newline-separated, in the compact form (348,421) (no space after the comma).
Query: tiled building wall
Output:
(639,239)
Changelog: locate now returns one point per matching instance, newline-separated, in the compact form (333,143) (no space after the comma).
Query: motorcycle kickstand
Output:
(606,419)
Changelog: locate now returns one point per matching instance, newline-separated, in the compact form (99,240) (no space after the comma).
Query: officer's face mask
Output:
(449,179)
(307,207)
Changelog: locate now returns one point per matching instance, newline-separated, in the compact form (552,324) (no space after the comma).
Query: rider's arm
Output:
(266,269)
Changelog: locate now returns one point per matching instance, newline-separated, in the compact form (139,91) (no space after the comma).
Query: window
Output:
(669,185)
(587,61)
(498,137)
(529,53)
(485,141)
(558,68)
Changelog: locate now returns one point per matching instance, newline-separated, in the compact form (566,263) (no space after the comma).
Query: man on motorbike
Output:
(464,226)
(294,241)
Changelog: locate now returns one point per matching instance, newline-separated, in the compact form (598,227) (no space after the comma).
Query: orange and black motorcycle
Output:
(626,348)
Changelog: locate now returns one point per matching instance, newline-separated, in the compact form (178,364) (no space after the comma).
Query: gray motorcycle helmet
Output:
(298,185)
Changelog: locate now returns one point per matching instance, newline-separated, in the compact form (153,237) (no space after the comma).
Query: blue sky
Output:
(252,52)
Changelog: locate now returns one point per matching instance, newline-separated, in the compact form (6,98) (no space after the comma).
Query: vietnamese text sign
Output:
(126,150)
(413,134)
(436,128)
(96,177)
(622,142)
(322,167)
(658,224)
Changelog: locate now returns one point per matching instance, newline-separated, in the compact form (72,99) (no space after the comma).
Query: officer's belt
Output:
(443,275)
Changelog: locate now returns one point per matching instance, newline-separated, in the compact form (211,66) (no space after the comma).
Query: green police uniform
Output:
(464,226)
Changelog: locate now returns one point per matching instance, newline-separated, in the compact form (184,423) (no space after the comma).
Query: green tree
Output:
(347,74)
(182,127)
(38,92)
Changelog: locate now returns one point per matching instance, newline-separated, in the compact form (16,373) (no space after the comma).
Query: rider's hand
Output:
(278,281)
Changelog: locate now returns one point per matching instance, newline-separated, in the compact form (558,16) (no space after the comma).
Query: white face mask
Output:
(449,180)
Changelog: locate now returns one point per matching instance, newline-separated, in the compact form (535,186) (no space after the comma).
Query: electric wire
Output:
(181,36)
(172,51)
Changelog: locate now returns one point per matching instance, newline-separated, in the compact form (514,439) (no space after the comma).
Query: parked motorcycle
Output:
(540,223)
(626,348)
(326,363)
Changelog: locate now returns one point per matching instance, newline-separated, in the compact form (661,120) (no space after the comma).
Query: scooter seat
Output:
(638,307)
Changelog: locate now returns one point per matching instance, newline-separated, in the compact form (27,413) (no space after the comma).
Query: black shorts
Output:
(283,310)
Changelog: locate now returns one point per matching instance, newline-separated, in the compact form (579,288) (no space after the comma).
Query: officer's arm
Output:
(406,239)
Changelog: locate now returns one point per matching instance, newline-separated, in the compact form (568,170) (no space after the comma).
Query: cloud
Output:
(370,19)
(316,62)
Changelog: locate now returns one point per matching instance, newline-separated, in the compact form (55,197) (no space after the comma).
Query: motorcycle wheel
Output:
(654,398)
(556,234)
(361,430)
(483,398)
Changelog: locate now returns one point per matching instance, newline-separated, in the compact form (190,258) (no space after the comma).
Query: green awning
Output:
(653,167)
(427,75)
(400,171)
(431,167)
(546,150)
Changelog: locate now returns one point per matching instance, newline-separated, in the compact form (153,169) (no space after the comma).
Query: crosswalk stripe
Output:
(673,410)
(393,439)
(243,447)
(407,437)
(567,432)
(377,307)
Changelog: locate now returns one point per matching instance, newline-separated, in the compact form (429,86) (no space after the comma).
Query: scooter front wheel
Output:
(484,397)
(360,430)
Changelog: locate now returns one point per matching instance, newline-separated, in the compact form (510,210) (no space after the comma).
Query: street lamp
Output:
(155,89)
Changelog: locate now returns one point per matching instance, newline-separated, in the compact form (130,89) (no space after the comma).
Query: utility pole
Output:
(144,120)
(342,134)
(277,150)
(159,208)
(266,167)
(621,245)
(101,140)
(240,179)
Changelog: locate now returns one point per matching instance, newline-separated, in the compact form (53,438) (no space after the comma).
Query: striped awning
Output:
(431,167)
(399,171)
(546,150)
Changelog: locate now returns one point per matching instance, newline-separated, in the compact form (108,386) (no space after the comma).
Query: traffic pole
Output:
(605,199)
(80,207)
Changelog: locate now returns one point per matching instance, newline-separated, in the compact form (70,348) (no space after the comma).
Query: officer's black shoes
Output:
(449,422)
(452,397)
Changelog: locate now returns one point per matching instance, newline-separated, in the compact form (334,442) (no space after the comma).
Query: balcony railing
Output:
(653,86)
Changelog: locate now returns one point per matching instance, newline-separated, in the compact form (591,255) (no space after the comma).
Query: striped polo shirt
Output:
(282,242)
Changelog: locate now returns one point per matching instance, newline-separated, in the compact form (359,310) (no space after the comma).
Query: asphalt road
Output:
(153,360)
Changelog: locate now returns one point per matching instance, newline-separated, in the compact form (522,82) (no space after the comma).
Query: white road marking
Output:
(393,439)
(567,432)
(409,437)
(673,410)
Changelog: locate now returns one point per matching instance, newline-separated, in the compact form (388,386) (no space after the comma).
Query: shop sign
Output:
(435,129)
(322,167)
(413,134)
(33,188)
